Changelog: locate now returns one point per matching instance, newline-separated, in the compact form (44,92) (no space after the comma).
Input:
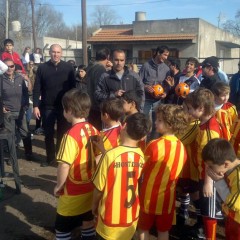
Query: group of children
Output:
(111,182)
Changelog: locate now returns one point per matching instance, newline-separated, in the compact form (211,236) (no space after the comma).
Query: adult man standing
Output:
(118,80)
(154,72)
(209,72)
(235,89)
(94,72)
(53,79)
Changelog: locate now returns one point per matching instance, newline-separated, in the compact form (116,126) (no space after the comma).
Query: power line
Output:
(104,5)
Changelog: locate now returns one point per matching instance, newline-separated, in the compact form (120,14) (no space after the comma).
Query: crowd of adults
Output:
(43,85)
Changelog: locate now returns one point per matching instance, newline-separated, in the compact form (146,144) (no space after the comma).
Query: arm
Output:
(101,89)
(62,173)
(36,94)
(97,195)
(208,186)
(3,67)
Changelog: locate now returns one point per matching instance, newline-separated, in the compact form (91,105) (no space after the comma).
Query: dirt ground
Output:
(31,214)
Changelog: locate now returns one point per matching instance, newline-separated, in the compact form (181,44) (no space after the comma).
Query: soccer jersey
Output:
(235,140)
(224,120)
(231,206)
(117,177)
(232,112)
(207,131)
(165,158)
(111,137)
(188,139)
(77,151)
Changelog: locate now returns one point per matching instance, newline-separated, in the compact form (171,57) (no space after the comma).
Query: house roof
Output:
(126,35)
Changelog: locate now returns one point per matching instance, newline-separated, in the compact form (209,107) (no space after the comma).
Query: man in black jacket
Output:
(118,80)
(94,72)
(53,79)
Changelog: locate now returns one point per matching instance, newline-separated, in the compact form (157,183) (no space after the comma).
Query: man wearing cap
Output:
(209,72)
(235,89)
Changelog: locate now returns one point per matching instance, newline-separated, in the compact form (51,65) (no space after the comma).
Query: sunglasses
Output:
(11,66)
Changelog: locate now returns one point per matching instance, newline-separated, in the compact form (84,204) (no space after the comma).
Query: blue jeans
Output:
(49,118)
(149,109)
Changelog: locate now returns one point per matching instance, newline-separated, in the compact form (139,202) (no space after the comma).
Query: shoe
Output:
(29,156)
(39,131)
(196,232)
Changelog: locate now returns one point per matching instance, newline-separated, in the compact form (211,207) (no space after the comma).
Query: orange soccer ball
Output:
(158,90)
(182,89)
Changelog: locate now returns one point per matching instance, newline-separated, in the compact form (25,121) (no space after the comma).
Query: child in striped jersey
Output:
(226,112)
(200,104)
(115,199)
(165,158)
(223,164)
(111,113)
(132,104)
(76,165)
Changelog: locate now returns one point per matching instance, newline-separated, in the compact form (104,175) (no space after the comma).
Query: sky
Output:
(209,10)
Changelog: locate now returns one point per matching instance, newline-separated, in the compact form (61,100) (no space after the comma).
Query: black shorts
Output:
(68,223)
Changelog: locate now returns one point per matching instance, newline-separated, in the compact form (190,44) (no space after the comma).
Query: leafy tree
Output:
(233,26)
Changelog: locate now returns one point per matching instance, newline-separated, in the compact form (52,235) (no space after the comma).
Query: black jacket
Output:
(208,82)
(109,83)
(51,84)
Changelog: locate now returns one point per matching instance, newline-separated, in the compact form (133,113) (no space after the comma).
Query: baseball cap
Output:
(210,61)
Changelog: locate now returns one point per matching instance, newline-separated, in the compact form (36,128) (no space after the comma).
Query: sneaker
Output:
(39,131)
(196,232)
(20,144)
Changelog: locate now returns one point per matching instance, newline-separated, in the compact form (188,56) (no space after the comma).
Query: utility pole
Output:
(33,24)
(7,19)
(84,33)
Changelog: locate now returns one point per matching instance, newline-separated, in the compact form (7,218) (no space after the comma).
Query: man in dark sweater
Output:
(94,72)
(53,79)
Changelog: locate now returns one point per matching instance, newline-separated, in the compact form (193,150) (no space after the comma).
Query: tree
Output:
(233,26)
(103,15)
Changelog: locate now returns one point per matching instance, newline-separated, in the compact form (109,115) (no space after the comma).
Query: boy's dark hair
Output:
(133,96)
(175,62)
(217,151)
(82,67)
(220,87)
(18,67)
(201,97)
(193,60)
(174,116)
(161,50)
(138,126)
(113,107)
(102,54)
(77,102)
(7,41)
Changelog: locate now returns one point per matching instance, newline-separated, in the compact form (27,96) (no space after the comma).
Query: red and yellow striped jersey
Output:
(111,137)
(165,158)
(232,112)
(76,150)
(235,140)
(188,139)
(231,206)
(117,177)
(209,130)
(224,120)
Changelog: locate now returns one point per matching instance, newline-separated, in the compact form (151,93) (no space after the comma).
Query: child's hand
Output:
(170,81)
(208,189)
(57,191)
(213,175)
